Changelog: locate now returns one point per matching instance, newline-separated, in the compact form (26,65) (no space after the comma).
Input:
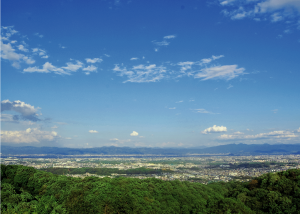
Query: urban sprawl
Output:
(204,169)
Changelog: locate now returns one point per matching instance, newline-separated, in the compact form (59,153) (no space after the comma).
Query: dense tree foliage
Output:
(27,190)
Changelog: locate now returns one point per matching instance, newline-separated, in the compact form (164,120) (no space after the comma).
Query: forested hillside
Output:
(27,190)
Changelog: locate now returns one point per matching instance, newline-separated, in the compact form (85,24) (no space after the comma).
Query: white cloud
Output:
(134,58)
(93,131)
(278,9)
(39,35)
(28,136)
(214,129)
(54,127)
(230,86)
(93,60)
(89,69)
(274,135)
(27,111)
(203,111)
(48,67)
(187,66)
(169,37)
(42,53)
(73,67)
(6,118)
(22,48)
(275,17)
(180,101)
(162,43)
(134,133)
(226,72)
(173,108)
(142,73)
(298,130)
(7,52)
(223,3)
(272,5)
(28,60)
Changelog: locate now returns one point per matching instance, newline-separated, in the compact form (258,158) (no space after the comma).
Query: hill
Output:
(27,190)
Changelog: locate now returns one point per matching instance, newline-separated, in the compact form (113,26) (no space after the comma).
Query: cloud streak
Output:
(274,135)
(28,136)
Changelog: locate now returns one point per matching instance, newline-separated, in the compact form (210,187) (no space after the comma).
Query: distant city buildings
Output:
(195,169)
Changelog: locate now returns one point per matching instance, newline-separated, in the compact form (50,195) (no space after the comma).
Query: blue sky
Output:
(150,73)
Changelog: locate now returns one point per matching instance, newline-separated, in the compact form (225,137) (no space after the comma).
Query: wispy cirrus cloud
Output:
(203,111)
(165,42)
(201,69)
(226,72)
(274,135)
(272,10)
(141,73)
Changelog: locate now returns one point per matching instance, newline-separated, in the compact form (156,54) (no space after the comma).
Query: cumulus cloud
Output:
(27,111)
(88,60)
(141,73)
(275,135)
(73,67)
(214,129)
(93,131)
(134,133)
(22,48)
(298,130)
(28,136)
(89,69)
(226,72)
(134,58)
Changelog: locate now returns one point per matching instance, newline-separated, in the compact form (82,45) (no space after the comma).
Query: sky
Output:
(153,73)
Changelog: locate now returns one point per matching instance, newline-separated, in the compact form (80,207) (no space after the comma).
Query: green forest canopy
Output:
(27,190)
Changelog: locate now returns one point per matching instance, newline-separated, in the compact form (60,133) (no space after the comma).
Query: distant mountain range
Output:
(231,149)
